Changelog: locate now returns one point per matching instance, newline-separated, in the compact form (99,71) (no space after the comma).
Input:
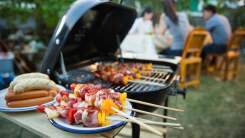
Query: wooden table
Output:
(38,123)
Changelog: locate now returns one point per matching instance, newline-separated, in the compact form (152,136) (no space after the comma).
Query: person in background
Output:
(143,24)
(178,25)
(162,40)
(220,29)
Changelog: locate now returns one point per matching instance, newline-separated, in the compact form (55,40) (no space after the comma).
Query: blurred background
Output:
(27,25)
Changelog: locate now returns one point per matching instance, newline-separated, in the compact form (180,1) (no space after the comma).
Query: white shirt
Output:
(141,26)
(137,43)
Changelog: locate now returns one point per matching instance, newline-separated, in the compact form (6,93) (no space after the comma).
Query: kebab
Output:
(122,73)
(86,105)
(89,105)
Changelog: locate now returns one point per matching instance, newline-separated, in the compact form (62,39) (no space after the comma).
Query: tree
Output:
(46,13)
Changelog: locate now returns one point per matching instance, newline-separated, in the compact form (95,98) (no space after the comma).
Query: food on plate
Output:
(30,102)
(53,92)
(34,84)
(30,89)
(88,105)
(121,73)
(26,76)
(11,96)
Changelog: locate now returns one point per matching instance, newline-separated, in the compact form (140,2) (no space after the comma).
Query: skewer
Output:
(180,128)
(155,105)
(150,78)
(147,82)
(161,67)
(133,119)
(153,114)
(167,77)
(148,122)
(160,123)
(158,71)
(172,125)
(154,71)
(163,70)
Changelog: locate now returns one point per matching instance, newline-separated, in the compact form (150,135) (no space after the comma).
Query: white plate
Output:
(5,108)
(80,129)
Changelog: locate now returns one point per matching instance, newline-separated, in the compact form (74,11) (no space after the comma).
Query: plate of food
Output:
(27,91)
(86,110)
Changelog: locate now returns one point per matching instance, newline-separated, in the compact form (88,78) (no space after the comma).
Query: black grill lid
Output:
(90,28)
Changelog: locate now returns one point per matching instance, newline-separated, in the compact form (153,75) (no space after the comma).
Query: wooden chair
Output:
(225,66)
(190,64)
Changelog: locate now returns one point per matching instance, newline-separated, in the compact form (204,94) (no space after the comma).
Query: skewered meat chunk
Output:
(121,73)
(89,105)
(87,116)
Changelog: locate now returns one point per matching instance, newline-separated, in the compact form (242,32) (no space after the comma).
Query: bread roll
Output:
(34,84)
(11,96)
(30,102)
(27,76)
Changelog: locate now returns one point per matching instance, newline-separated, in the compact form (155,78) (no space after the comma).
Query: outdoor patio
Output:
(76,65)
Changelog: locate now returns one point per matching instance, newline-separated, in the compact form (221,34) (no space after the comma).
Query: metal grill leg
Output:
(135,130)
(165,112)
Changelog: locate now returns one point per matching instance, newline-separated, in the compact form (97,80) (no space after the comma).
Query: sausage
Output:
(53,92)
(26,95)
(30,102)
(34,84)
(27,76)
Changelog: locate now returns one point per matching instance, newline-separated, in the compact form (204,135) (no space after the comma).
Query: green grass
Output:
(216,110)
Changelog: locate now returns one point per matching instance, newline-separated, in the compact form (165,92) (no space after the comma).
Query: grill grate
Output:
(154,79)
(157,79)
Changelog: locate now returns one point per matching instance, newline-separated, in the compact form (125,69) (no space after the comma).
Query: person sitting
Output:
(143,24)
(178,25)
(220,29)
(162,40)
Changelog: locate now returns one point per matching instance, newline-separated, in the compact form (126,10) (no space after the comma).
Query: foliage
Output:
(46,13)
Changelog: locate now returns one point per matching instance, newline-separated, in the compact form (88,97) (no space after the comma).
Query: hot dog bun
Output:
(27,76)
(34,84)
(11,96)
(30,102)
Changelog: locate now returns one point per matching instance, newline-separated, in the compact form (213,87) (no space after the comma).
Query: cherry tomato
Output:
(65,97)
(72,86)
(40,108)
(70,117)
(62,93)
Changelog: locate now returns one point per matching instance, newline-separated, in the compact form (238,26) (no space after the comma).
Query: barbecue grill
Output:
(89,34)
